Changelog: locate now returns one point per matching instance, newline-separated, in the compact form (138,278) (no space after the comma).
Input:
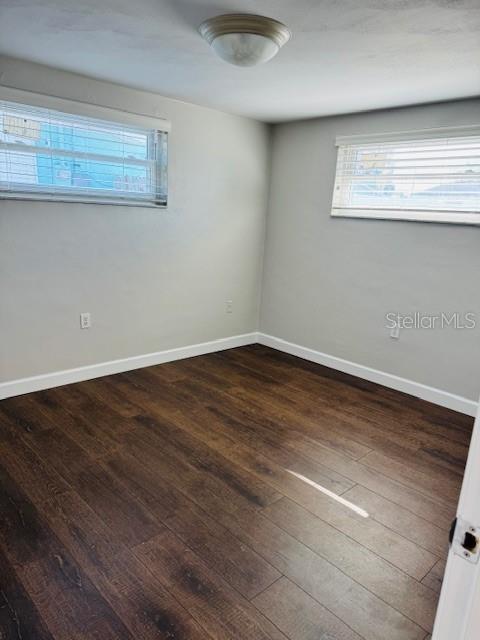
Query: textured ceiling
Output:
(344,56)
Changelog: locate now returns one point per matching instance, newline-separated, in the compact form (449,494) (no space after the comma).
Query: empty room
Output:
(240,320)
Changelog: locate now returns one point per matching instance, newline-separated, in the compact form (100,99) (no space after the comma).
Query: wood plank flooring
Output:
(196,500)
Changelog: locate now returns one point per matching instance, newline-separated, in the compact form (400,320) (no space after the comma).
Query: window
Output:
(428,176)
(50,155)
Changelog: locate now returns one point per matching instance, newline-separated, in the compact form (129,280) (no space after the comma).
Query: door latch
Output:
(465,540)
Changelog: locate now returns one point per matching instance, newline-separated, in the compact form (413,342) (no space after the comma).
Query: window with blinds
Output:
(425,176)
(50,155)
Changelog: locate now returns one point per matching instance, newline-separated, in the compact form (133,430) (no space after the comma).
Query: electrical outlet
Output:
(85,321)
(229,306)
(395,332)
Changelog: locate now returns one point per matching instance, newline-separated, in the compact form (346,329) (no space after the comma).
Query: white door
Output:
(458,615)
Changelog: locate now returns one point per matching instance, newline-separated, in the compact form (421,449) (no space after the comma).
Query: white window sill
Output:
(79,200)
(460,217)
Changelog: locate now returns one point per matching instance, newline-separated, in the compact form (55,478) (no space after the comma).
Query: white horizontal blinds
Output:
(436,175)
(46,153)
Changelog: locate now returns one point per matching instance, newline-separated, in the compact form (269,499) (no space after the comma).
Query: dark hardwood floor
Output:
(197,500)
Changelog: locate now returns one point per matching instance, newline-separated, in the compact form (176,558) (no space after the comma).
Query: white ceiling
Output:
(344,56)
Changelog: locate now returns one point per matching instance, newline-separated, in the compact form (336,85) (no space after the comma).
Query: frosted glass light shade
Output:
(244,39)
(244,49)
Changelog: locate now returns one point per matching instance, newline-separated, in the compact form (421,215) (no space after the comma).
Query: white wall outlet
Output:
(395,332)
(228,306)
(85,321)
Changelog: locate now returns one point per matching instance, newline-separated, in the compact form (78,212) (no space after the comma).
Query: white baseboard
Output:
(68,376)
(431,394)
(59,378)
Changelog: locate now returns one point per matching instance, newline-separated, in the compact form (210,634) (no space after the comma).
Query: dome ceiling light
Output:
(244,39)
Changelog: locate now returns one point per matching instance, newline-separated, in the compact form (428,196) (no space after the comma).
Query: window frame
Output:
(107,115)
(411,215)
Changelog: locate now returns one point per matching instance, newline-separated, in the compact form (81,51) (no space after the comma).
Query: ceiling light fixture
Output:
(244,39)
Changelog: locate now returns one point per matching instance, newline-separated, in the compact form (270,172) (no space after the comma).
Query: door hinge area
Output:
(465,540)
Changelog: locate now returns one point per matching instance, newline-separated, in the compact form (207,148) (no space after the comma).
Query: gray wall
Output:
(152,279)
(155,280)
(329,282)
